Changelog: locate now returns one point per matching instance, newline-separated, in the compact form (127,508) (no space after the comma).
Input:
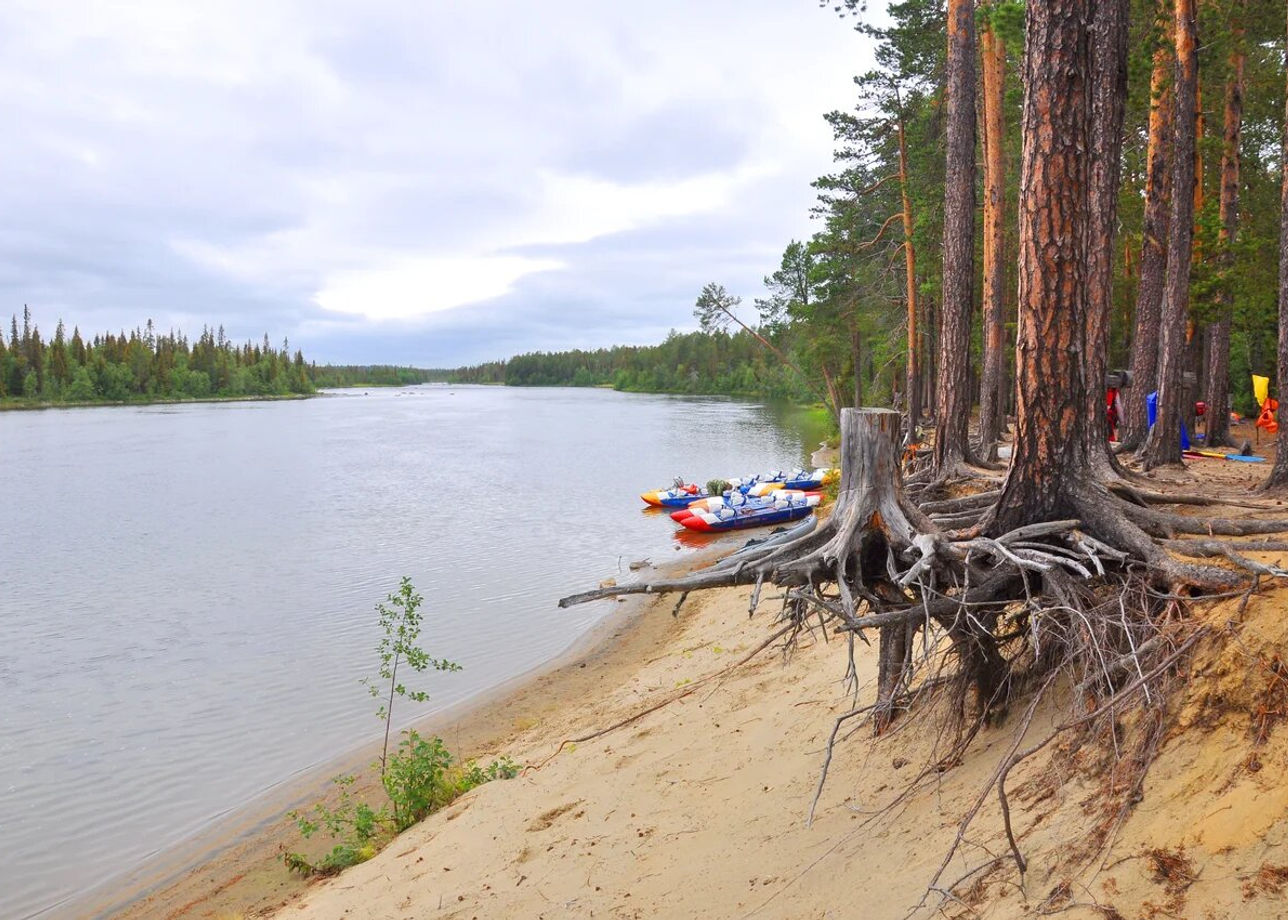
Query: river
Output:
(187,591)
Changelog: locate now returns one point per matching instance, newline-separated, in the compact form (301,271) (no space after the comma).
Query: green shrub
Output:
(355,825)
(419,778)
(415,779)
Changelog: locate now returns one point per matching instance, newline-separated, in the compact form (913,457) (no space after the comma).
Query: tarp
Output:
(1151,411)
(1260,388)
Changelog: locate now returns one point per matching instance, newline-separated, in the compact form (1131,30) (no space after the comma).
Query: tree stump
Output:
(871,527)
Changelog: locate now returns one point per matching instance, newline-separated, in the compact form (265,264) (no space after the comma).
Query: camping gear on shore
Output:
(678,496)
(1151,415)
(738,510)
(1268,407)
(1217,455)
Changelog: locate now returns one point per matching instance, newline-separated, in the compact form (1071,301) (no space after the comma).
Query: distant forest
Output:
(145,365)
(694,363)
(372,375)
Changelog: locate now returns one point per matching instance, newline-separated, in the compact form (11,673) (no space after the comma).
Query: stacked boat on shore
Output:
(762,500)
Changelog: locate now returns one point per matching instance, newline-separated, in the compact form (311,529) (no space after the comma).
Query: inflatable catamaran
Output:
(683,494)
(739,510)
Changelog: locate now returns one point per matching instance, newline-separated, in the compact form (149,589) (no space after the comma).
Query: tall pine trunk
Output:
(1108,101)
(1051,430)
(952,390)
(992,397)
(1164,442)
(1279,472)
(929,350)
(1218,334)
(913,382)
(1153,250)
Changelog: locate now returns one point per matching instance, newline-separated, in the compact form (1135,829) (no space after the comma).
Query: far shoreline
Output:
(42,405)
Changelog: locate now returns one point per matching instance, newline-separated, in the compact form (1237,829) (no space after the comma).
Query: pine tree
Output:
(58,368)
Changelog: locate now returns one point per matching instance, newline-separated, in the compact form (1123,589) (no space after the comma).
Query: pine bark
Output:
(1200,131)
(1163,445)
(952,390)
(1218,334)
(1108,102)
(913,381)
(992,400)
(1051,432)
(929,351)
(1278,477)
(1153,254)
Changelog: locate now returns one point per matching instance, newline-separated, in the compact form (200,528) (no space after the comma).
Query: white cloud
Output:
(578,208)
(416,287)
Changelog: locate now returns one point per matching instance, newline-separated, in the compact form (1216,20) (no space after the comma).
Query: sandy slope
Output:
(699,809)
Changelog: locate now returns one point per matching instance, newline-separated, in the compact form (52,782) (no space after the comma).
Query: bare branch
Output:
(880,233)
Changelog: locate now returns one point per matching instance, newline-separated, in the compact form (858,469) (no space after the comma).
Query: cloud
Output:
(432,178)
(417,287)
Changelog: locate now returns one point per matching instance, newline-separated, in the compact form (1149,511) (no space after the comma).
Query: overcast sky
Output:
(437,182)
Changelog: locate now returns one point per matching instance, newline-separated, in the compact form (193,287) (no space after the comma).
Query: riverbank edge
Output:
(6,405)
(233,866)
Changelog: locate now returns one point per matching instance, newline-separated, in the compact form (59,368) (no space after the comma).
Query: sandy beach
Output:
(702,741)
(700,808)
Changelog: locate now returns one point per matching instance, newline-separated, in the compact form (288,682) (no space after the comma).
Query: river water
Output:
(187,592)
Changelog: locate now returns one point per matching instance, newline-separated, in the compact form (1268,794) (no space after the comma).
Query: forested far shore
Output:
(694,363)
(373,375)
(145,365)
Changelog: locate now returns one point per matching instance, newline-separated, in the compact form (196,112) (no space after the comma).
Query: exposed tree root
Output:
(1230,551)
(1145,498)
(973,603)
(1108,468)
(1166,525)
(979,501)
(1140,684)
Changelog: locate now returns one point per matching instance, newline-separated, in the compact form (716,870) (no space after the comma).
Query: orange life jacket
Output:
(1267,419)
